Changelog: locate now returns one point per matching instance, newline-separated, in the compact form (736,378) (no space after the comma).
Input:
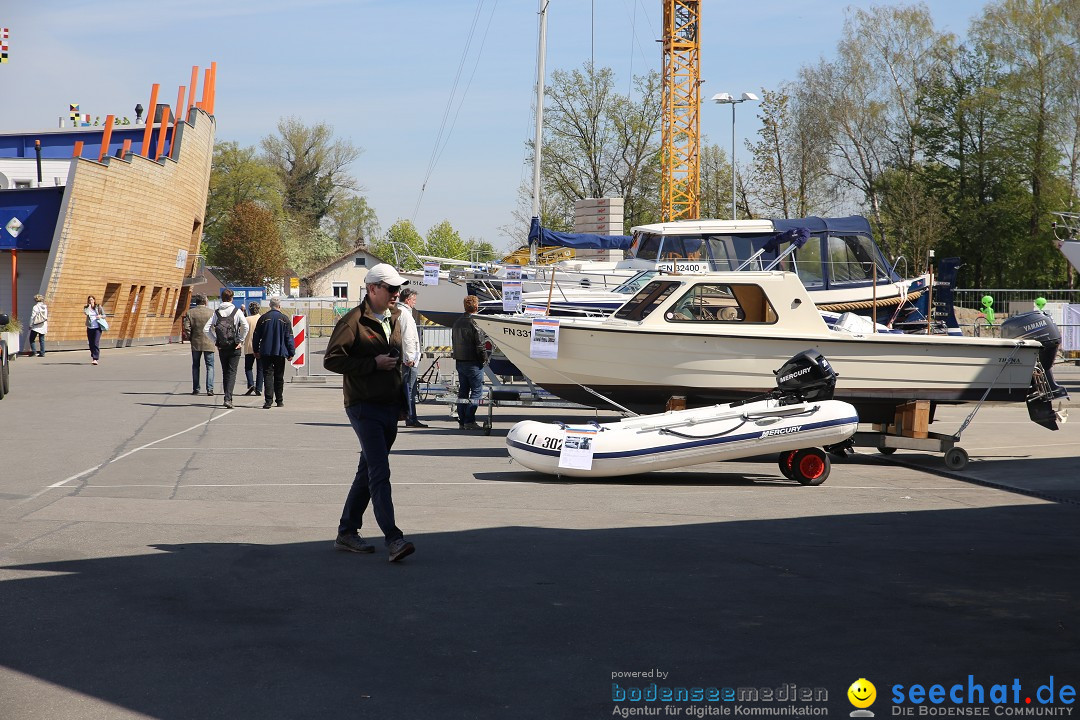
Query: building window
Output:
(360,261)
(23,184)
(341,290)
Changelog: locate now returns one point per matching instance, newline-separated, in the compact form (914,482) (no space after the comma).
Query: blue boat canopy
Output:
(580,241)
(850,224)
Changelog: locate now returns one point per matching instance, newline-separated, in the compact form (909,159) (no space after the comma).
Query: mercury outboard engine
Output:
(1039,326)
(807,376)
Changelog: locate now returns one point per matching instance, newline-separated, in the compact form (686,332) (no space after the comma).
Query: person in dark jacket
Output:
(273,344)
(202,350)
(469,352)
(365,347)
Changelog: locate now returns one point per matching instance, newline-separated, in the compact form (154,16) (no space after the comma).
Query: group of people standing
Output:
(265,340)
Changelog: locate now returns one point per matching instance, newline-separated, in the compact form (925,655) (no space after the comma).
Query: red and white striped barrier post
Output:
(299,327)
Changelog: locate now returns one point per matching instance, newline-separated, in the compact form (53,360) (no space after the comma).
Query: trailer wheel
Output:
(784,461)
(810,466)
(886,450)
(956,458)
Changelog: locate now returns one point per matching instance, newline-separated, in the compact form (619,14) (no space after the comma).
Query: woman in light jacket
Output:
(39,325)
(93,312)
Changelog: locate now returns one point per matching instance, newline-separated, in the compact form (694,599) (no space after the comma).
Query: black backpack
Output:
(225,332)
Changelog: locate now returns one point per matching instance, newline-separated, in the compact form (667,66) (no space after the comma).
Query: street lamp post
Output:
(727,99)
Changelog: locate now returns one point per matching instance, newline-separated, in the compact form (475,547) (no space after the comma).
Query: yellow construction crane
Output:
(681,121)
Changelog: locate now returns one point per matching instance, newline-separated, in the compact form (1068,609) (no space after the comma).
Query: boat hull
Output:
(641,368)
(686,437)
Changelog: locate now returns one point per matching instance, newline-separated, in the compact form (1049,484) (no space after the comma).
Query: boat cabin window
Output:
(647,299)
(635,283)
(808,264)
(851,260)
(711,303)
(646,246)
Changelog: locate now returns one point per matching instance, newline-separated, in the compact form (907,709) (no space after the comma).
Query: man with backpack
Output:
(227,329)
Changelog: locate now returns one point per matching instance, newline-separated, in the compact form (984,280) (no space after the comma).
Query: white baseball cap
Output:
(385,273)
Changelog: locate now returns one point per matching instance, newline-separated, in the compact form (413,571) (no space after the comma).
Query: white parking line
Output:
(121,457)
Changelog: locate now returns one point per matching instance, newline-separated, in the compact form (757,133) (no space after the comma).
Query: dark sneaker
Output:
(416,424)
(228,404)
(210,393)
(471,426)
(401,549)
(352,543)
(266,406)
(196,392)
(250,391)
(280,403)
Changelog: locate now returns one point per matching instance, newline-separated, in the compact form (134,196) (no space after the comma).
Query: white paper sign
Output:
(181,258)
(511,296)
(431,273)
(513,272)
(1070,330)
(535,310)
(577,449)
(544,341)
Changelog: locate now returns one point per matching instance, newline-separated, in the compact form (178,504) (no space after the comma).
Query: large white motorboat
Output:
(714,338)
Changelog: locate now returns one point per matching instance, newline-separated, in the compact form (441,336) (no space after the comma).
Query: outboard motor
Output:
(1039,326)
(807,376)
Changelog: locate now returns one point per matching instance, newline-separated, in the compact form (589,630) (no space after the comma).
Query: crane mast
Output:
(681,121)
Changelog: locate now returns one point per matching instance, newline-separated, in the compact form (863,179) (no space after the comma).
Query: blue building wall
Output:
(59,144)
(37,209)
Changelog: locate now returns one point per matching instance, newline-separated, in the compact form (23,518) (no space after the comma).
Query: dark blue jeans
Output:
(198,358)
(93,339)
(408,383)
(41,342)
(376,427)
(470,385)
(256,381)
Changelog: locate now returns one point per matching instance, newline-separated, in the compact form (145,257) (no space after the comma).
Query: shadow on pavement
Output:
(532,622)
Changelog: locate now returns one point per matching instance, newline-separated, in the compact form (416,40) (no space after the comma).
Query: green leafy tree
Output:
(250,249)
(400,246)
(352,223)
(444,241)
(307,248)
(313,167)
(238,175)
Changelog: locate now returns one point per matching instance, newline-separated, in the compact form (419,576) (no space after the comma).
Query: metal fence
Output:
(1013,301)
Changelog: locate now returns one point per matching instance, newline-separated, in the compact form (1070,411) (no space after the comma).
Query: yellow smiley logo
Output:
(862,693)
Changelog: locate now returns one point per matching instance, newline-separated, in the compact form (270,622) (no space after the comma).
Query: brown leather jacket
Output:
(357,338)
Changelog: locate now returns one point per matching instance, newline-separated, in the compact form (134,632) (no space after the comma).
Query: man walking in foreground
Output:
(227,329)
(365,347)
(202,347)
(471,356)
(273,344)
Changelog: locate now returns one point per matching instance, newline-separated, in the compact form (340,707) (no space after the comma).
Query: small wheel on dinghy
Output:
(956,458)
(784,461)
(810,466)
(886,450)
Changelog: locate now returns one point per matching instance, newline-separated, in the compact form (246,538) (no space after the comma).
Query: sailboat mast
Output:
(538,141)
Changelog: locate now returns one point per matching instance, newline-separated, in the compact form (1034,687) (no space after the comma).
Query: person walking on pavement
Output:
(410,355)
(94,313)
(39,324)
(470,356)
(254,381)
(365,348)
(273,344)
(227,329)
(202,349)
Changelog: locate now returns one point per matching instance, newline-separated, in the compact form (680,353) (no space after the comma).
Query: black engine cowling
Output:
(806,376)
(1039,326)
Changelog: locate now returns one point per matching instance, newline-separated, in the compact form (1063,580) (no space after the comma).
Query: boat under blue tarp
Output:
(579,241)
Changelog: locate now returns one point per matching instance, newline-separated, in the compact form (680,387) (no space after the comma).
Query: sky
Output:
(382,74)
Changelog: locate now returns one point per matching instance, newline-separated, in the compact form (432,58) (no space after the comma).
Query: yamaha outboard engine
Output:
(807,376)
(1039,326)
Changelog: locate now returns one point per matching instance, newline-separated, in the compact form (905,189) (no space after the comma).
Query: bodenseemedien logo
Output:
(862,695)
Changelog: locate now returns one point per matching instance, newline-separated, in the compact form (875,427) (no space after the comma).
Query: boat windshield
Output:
(636,283)
(647,299)
(852,259)
(713,303)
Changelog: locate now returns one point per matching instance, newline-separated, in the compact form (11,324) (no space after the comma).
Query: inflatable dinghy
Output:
(793,420)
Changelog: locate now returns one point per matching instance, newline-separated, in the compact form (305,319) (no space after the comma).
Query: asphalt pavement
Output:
(163,557)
